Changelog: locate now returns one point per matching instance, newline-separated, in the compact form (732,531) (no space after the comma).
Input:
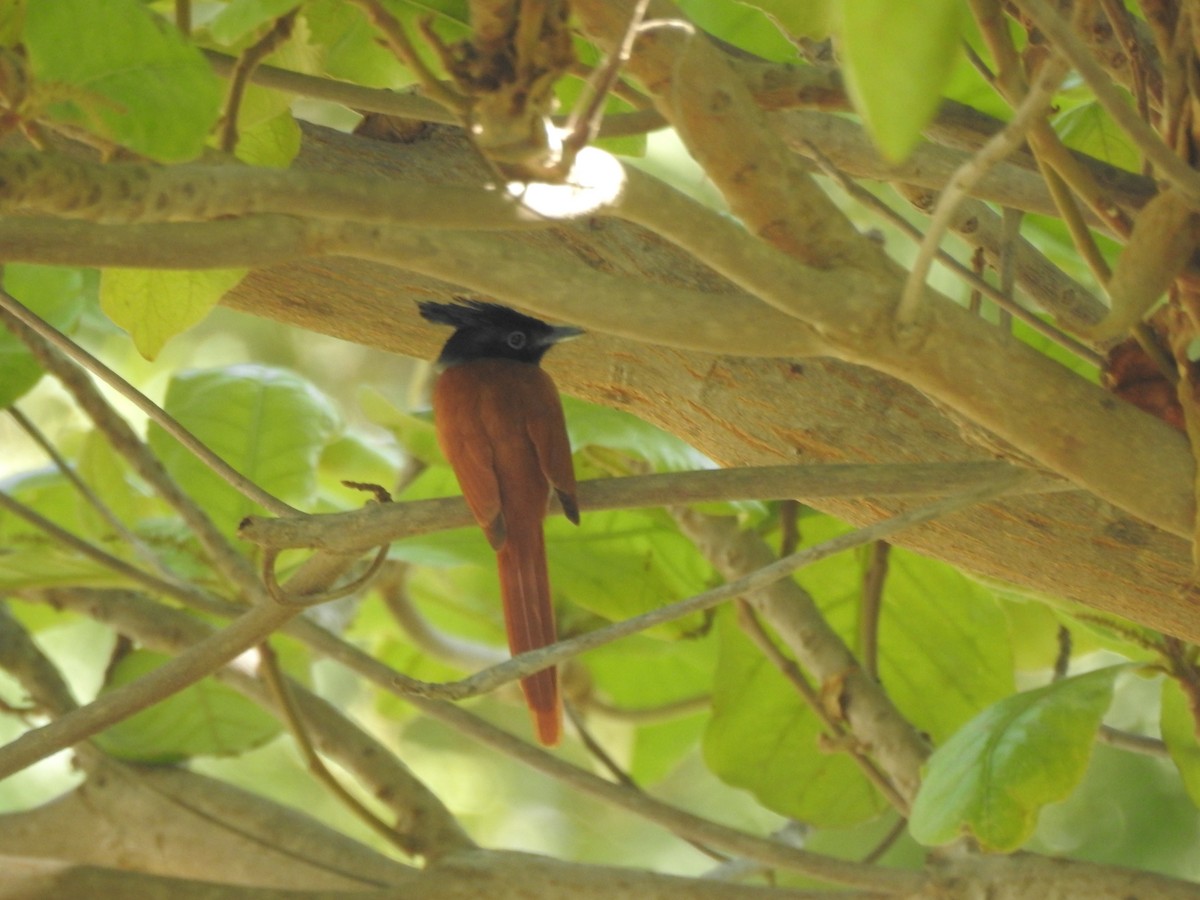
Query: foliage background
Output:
(299,413)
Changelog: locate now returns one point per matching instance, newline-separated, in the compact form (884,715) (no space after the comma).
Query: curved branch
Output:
(353,532)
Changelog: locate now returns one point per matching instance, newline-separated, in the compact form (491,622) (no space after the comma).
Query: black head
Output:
(490,331)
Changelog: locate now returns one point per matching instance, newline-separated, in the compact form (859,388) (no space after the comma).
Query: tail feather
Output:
(529,618)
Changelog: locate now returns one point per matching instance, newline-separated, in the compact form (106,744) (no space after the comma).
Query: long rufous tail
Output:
(529,619)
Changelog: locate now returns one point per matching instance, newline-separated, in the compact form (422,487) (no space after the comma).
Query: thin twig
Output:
(277,593)
(894,834)
(398,42)
(278,34)
(1147,140)
(121,703)
(81,357)
(1011,221)
(535,660)
(999,146)
(169,587)
(285,704)
(1002,299)
(224,557)
(410,105)
(620,776)
(584,123)
(1122,25)
(1134,743)
(1062,659)
(652,715)
(750,624)
(447,648)
(147,555)
(183,16)
(1072,217)
(872,603)
(359,530)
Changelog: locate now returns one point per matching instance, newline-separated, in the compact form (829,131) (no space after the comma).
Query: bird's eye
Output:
(516,339)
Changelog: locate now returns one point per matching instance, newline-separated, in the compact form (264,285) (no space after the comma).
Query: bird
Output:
(500,424)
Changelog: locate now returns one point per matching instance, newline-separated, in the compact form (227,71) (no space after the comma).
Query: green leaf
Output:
(119,70)
(352,49)
(992,778)
(29,557)
(352,457)
(762,737)
(1091,130)
(154,305)
(1181,731)
(12,21)
(641,550)
(639,674)
(812,18)
(592,425)
(273,142)
(897,56)
(107,474)
(940,635)
(206,718)
(57,295)
(269,424)
(413,432)
(743,26)
(239,17)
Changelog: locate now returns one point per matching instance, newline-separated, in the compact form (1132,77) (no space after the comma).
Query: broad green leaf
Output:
(32,558)
(107,474)
(811,18)
(941,635)
(991,779)
(351,457)
(1089,129)
(206,719)
(269,424)
(897,56)
(762,737)
(239,17)
(742,25)
(154,305)
(57,295)
(274,142)
(592,425)
(442,548)
(1181,731)
(12,21)
(120,71)
(352,49)
(641,550)
(640,675)
(413,432)
(1034,630)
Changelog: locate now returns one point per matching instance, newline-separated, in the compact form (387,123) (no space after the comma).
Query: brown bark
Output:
(743,411)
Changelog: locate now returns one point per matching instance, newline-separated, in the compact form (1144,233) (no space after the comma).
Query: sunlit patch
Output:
(595,181)
(247,661)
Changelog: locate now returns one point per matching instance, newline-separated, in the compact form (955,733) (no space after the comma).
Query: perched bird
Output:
(499,422)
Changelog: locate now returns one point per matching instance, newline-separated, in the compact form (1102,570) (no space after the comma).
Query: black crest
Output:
(489,330)
(477,314)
